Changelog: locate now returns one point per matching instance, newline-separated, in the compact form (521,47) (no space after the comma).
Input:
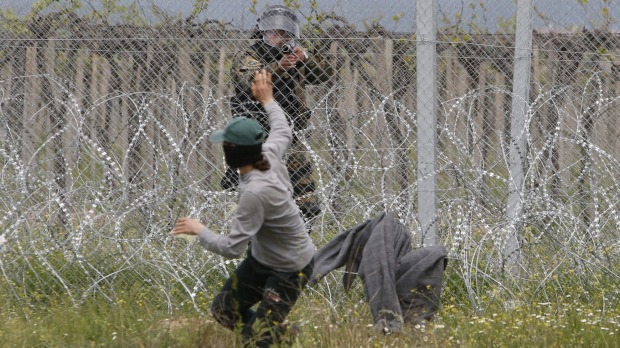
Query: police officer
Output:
(277,50)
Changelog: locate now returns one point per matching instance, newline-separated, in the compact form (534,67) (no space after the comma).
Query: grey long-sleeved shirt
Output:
(267,214)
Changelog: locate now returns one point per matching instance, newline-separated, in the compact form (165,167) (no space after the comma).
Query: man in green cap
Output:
(279,261)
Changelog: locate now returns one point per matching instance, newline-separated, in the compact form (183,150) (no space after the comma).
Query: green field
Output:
(565,312)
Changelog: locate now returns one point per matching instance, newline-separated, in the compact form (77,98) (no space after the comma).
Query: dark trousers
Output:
(275,292)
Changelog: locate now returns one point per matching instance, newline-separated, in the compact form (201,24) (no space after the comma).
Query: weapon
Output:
(288,47)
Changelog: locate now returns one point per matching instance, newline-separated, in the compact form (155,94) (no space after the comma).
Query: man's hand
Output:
(288,61)
(299,52)
(261,87)
(187,226)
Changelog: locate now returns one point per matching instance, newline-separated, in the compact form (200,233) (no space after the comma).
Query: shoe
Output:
(290,333)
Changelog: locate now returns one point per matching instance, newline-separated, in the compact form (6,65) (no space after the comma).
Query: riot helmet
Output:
(278,17)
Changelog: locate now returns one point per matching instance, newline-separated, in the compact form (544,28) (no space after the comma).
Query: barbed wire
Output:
(101,153)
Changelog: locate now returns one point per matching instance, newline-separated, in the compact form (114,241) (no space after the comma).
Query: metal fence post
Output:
(518,141)
(426,67)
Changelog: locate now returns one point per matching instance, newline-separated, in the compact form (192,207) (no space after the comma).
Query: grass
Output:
(559,302)
(578,317)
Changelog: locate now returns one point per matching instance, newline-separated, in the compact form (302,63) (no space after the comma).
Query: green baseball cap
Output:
(240,131)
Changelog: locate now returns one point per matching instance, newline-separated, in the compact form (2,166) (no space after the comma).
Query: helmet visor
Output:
(279,19)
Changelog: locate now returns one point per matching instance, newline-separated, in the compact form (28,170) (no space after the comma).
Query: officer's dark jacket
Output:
(288,86)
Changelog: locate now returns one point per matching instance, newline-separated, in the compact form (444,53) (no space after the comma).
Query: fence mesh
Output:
(106,112)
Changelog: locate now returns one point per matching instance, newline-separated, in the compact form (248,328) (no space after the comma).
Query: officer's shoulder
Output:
(249,63)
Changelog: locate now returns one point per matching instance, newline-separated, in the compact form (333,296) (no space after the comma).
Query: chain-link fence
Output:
(106,111)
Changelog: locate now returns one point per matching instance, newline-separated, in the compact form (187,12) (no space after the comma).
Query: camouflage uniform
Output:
(288,89)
